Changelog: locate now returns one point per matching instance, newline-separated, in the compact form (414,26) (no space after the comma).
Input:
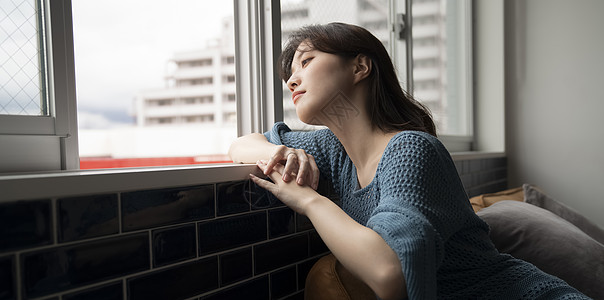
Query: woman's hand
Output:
(297,164)
(295,196)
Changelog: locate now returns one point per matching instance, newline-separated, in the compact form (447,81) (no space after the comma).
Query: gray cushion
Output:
(535,196)
(549,242)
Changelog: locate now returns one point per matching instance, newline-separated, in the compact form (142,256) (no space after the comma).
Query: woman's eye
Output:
(305,62)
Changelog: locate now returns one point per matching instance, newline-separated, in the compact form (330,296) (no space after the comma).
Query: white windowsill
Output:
(86,182)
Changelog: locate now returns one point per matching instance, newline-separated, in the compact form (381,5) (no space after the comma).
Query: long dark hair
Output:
(390,108)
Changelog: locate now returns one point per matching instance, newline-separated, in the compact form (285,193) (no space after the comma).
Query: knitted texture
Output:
(417,204)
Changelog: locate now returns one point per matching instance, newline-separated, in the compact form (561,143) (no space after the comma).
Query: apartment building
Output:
(200,87)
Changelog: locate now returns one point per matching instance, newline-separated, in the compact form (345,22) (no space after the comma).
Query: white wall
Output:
(555,100)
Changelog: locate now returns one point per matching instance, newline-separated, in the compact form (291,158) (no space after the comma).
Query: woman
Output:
(405,227)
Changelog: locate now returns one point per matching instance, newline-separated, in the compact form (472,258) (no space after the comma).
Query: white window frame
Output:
(42,143)
(257,49)
(402,10)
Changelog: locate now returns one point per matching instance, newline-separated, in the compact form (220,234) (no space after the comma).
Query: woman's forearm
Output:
(360,250)
(250,148)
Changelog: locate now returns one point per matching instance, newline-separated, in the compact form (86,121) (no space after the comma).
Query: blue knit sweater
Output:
(417,204)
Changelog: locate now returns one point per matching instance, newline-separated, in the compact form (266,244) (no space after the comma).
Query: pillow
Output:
(549,242)
(535,196)
(485,200)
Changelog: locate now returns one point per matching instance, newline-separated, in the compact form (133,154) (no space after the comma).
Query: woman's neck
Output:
(364,145)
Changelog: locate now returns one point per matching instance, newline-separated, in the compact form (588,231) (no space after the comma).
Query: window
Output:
(373,15)
(174,87)
(37,97)
(435,67)
(148,82)
(194,63)
(442,72)
(23,56)
(228,60)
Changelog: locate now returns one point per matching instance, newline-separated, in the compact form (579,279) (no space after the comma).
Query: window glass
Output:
(370,14)
(155,81)
(440,59)
(22,58)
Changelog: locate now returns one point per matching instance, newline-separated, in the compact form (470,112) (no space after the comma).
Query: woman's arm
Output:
(298,164)
(251,148)
(360,250)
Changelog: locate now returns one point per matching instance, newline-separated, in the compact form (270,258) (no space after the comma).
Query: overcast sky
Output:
(122,46)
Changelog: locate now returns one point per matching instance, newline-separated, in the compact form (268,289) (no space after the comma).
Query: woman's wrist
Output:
(315,203)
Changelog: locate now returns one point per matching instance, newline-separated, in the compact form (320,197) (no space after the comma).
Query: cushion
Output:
(535,196)
(329,280)
(485,200)
(549,242)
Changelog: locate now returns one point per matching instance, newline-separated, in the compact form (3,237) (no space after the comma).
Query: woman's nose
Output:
(293,82)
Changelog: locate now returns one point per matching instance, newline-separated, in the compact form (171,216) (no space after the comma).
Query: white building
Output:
(200,88)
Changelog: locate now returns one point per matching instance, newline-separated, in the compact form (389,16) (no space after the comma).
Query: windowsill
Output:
(56,184)
(81,182)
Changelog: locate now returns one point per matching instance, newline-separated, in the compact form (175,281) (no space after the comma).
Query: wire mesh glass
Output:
(22,58)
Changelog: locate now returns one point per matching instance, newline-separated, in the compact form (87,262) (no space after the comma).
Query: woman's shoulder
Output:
(413,141)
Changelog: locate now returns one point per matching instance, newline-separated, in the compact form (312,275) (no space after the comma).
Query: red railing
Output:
(87,163)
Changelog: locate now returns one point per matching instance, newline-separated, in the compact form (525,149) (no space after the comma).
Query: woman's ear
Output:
(362,67)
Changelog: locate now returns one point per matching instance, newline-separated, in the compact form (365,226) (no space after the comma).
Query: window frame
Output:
(51,141)
(403,26)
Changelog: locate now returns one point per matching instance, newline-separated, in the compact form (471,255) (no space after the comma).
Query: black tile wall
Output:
(303,223)
(296,296)
(228,240)
(303,269)
(24,224)
(256,289)
(174,244)
(113,291)
(7,281)
(283,282)
(232,197)
(56,269)
(316,244)
(145,209)
(178,282)
(235,266)
(231,232)
(482,176)
(281,222)
(262,199)
(279,253)
(86,217)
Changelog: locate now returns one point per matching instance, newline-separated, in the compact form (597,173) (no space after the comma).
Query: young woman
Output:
(405,226)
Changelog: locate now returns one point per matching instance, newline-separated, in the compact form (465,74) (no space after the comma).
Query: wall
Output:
(554,100)
(165,234)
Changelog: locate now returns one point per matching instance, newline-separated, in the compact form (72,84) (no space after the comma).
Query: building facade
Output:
(200,87)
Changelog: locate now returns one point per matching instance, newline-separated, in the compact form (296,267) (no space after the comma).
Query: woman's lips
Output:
(296,96)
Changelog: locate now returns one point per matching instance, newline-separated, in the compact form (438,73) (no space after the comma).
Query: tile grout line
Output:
(54,221)
(150,236)
(19,284)
(119,213)
(124,289)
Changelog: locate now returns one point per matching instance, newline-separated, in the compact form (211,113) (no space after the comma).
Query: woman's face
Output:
(317,77)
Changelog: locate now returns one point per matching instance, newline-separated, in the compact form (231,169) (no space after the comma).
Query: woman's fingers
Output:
(280,154)
(314,173)
(291,166)
(303,170)
(299,166)
(265,184)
